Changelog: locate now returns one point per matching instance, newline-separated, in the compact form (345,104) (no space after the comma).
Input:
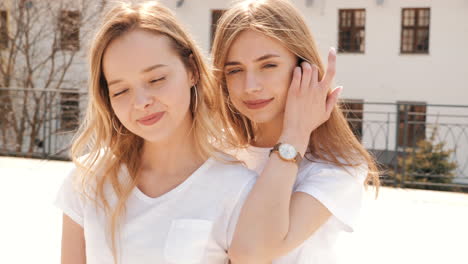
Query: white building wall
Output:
(381,73)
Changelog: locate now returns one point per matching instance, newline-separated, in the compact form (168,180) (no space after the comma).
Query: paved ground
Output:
(402,226)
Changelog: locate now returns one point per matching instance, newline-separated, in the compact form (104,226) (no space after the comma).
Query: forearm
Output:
(264,220)
(73,242)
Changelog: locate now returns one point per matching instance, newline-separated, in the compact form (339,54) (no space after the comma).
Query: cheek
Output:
(280,82)
(234,91)
(177,95)
(120,108)
(116,108)
(276,84)
(235,84)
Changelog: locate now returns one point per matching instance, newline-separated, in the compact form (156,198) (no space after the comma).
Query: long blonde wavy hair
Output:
(103,145)
(333,141)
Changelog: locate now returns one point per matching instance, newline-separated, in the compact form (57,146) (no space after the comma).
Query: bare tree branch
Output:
(42,60)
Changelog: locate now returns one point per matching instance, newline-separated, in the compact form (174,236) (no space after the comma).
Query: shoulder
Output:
(227,182)
(333,172)
(77,186)
(228,167)
(89,170)
(228,174)
(73,180)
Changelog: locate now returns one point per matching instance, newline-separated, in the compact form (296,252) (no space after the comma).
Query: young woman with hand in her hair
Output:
(285,124)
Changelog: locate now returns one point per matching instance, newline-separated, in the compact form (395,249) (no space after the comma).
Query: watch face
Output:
(287,151)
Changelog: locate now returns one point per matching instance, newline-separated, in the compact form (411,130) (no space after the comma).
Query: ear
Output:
(194,74)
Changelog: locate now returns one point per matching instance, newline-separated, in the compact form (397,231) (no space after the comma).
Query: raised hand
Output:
(309,103)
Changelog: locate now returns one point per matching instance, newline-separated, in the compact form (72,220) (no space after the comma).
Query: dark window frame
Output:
(69,110)
(415,28)
(416,123)
(215,16)
(69,27)
(354,109)
(353,30)
(4,38)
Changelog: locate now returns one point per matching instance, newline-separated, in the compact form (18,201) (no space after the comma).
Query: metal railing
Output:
(418,145)
(39,123)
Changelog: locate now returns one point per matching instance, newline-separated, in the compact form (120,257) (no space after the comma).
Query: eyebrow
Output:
(148,69)
(264,57)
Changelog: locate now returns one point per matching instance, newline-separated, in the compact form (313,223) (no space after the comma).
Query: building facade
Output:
(403,64)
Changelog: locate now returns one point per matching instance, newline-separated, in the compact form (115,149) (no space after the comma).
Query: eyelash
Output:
(152,82)
(157,80)
(269,65)
(233,71)
(238,70)
(119,93)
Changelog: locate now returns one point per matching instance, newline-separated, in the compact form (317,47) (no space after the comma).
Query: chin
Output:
(153,139)
(261,117)
(152,136)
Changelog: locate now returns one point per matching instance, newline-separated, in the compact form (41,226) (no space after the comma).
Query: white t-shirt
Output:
(339,190)
(192,223)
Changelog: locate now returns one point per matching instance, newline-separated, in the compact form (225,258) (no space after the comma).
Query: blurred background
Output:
(404,68)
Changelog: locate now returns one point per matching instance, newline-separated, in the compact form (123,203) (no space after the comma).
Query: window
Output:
(415,30)
(353,111)
(69,111)
(215,16)
(411,122)
(351,32)
(69,25)
(3,29)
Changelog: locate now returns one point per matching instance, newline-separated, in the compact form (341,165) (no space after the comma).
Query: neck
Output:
(173,155)
(268,133)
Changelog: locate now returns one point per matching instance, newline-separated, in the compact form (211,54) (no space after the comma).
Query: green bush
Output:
(427,162)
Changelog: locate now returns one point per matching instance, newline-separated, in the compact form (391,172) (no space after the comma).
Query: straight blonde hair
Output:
(103,145)
(333,141)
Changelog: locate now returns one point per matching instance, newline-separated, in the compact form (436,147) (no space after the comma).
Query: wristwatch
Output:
(287,152)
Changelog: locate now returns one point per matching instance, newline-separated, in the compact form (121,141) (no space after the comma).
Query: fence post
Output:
(397,137)
(44,126)
(405,144)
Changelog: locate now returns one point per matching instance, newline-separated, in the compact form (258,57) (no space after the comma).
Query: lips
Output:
(151,119)
(256,104)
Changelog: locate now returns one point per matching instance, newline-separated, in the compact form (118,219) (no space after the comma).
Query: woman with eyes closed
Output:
(149,185)
(285,124)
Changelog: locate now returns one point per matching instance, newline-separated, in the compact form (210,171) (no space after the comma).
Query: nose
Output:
(252,83)
(143,98)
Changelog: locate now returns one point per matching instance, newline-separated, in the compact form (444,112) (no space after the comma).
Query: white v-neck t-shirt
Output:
(192,223)
(339,190)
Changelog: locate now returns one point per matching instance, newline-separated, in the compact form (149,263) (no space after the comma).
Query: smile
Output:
(257,104)
(151,119)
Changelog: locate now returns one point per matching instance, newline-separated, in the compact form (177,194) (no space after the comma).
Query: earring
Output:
(196,98)
(117,130)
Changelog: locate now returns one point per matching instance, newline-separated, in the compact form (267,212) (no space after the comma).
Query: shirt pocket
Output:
(187,240)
